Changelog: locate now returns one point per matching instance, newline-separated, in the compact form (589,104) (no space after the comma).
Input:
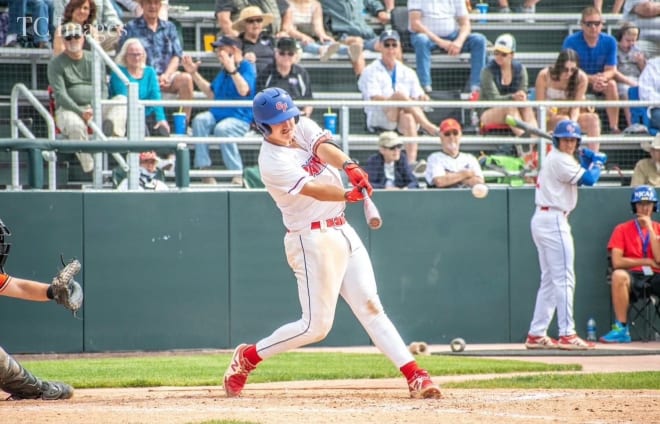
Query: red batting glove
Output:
(354,195)
(367,186)
(356,175)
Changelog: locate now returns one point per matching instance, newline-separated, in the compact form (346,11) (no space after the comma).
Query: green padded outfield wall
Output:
(207,269)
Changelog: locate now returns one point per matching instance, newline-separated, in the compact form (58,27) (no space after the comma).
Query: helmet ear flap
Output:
(265,129)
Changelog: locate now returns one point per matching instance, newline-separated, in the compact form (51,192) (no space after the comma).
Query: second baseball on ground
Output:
(480,191)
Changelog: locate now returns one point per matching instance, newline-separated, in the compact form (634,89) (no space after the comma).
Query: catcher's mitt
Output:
(66,290)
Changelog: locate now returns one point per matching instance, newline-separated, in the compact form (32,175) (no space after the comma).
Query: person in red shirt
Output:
(634,247)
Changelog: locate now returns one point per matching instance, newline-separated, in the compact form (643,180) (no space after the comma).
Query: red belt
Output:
(332,222)
(548,208)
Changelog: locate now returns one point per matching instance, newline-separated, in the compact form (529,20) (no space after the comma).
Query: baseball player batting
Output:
(300,167)
(14,379)
(555,198)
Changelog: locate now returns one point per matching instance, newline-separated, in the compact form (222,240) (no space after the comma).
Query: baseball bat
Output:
(371,213)
(517,123)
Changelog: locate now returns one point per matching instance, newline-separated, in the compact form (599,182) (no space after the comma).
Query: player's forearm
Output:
(324,192)
(331,154)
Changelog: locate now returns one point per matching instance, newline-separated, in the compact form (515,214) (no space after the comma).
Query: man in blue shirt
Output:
(236,81)
(597,53)
(161,42)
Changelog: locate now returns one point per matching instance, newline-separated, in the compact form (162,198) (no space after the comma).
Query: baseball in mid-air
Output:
(457,345)
(480,191)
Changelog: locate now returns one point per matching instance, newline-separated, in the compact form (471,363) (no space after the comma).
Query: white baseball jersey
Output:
(556,186)
(286,170)
(439,164)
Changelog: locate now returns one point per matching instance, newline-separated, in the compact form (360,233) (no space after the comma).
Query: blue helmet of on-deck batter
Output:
(272,106)
(644,193)
(567,129)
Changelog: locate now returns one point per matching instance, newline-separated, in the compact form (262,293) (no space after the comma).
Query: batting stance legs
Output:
(552,235)
(328,263)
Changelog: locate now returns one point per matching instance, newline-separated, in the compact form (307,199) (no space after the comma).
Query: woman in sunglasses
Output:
(566,81)
(504,78)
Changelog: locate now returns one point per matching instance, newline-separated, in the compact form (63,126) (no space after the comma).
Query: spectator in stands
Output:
(227,11)
(236,81)
(306,26)
(634,248)
(647,170)
(350,26)
(258,45)
(81,12)
(131,60)
(151,176)
(649,88)
(504,78)
(389,167)
(389,79)
(630,62)
(528,6)
(646,15)
(109,26)
(41,11)
(70,76)
(452,168)
(597,53)
(164,51)
(444,24)
(566,81)
(286,74)
(129,5)
(616,7)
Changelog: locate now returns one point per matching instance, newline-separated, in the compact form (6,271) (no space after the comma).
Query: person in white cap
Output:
(389,167)
(504,78)
(647,170)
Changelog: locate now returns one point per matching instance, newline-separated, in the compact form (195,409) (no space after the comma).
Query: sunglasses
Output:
(286,53)
(592,24)
(390,45)
(254,21)
(569,70)
(71,37)
(395,147)
(450,133)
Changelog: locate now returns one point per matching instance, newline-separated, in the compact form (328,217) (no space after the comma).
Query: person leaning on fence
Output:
(504,78)
(597,53)
(164,50)
(287,75)
(236,81)
(388,79)
(564,80)
(227,11)
(452,168)
(389,167)
(647,170)
(70,76)
(131,60)
(444,24)
(634,248)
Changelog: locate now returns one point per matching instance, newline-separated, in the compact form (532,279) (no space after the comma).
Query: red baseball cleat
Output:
(421,386)
(237,372)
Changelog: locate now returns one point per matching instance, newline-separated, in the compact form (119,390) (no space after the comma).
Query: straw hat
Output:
(249,13)
(655,145)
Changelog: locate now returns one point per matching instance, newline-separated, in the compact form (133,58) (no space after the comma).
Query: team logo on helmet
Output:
(570,128)
(281,106)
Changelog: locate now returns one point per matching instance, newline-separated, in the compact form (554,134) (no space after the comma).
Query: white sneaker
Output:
(328,51)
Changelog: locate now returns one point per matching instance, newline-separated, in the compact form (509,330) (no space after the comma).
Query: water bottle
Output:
(591,330)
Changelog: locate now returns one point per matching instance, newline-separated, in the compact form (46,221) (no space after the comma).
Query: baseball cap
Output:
(224,40)
(449,124)
(145,156)
(71,28)
(287,44)
(388,139)
(389,34)
(505,43)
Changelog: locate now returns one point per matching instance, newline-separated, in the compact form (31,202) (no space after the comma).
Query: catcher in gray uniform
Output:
(14,379)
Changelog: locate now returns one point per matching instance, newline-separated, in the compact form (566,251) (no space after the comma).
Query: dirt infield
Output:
(380,401)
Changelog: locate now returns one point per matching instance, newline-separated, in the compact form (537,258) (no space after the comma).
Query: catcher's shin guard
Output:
(21,384)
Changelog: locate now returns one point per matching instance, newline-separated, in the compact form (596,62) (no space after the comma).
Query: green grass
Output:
(207,370)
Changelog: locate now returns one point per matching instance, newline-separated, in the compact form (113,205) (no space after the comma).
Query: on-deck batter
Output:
(556,197)
(299,166)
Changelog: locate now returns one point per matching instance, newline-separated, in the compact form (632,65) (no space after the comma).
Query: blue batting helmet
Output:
(567,129)
(272,106)
(644,193)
